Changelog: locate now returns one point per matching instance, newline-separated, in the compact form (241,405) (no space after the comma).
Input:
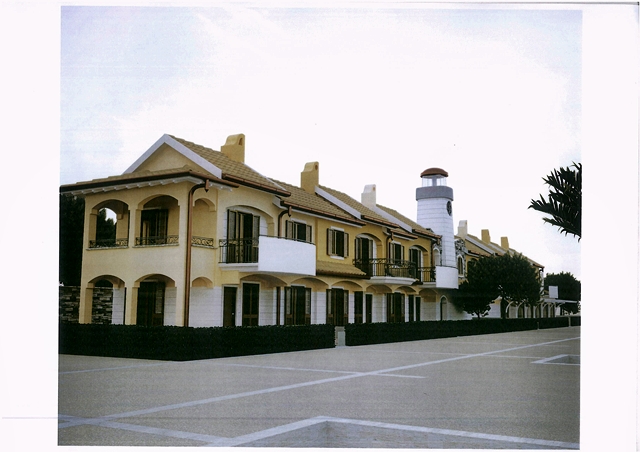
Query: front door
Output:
(250,304)
(395,308)
(337,307)
(150,310)
(297,305)
(229,316)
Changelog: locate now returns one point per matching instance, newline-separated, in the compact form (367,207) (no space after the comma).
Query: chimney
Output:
(504,243)
(462,228)
(310,177)
(486,238)
(234,148)
(368,197)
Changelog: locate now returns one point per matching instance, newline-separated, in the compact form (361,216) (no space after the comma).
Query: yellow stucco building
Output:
(202,239)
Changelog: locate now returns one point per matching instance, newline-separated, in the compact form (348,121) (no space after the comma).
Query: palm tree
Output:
(565,200)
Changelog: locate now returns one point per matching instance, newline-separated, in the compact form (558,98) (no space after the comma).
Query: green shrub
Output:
(174,343)
(380,333)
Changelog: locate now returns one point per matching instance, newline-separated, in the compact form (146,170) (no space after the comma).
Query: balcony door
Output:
(153,226)
(150,310)
(364,255)
(415,259)
(243,230)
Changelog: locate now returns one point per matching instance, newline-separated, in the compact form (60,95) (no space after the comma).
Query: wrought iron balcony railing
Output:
(395,268)
(239,251)
(426,274)
(159,240)
(108,243)
(386,267)
(203,241)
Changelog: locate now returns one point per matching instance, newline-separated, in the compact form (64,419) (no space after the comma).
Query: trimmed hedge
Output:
(172,343)
(381,333)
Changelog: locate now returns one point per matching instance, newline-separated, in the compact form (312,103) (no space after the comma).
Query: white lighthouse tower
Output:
(435,211)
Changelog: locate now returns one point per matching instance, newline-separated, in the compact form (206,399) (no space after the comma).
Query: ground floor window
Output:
(250,303)
(369,303)
(297,305)
(337,307)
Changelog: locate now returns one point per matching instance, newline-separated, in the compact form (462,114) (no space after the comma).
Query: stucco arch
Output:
(313,283)
(210,205)
(269,281)
(379,288)
(157,200)
(202,282)
(114,280)
(347,285)
(169,282)
(121,211)
(408,290)
(267,221)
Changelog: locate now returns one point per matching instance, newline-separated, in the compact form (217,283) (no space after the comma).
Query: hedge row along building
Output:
(202,240)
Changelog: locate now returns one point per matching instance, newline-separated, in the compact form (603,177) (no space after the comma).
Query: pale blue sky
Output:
(376,95)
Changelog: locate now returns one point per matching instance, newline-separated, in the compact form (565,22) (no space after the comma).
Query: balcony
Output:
(393,268)
(269,255)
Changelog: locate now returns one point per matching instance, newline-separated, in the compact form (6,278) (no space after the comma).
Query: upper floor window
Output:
(337,243)
(460,266)
(298,231)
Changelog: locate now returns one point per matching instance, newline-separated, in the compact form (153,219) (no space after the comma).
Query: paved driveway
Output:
(511,390)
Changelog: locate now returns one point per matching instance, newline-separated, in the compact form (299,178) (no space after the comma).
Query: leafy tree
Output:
(71,223)
(565,200)
(509,277)
(569,288)
(105,227)
(478,291)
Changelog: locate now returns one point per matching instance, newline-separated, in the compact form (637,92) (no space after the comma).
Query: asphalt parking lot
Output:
(501,391)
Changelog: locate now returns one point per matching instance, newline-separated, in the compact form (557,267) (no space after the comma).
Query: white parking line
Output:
(217,441)
(193,403)
(148,430)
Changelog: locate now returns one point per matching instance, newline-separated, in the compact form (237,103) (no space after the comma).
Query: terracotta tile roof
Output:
(365,212)
(304,201)
(338,269)
(232,170)
(416,227)
(497,248)
(141,176)
(475,249)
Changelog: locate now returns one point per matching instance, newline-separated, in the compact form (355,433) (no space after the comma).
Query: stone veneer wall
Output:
(69,303)
(101,312)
